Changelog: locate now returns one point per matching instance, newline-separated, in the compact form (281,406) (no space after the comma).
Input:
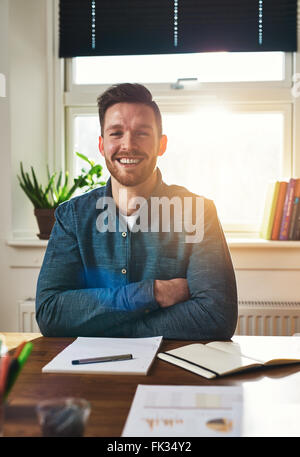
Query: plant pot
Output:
(45,219)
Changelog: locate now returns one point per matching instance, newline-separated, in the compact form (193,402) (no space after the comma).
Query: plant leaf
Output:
(83,157)
(59,181)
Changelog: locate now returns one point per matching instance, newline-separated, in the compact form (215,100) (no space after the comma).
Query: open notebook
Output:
(221,358)
(143,351)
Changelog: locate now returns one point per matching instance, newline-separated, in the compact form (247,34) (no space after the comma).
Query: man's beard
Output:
(132,178)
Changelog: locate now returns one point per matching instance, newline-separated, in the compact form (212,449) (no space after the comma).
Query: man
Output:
(100,279)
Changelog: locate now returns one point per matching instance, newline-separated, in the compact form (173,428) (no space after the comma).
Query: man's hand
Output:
(172,291)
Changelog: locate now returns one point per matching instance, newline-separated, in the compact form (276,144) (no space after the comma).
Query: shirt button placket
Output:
(124,270)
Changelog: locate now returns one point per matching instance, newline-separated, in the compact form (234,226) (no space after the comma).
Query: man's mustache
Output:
(129,155)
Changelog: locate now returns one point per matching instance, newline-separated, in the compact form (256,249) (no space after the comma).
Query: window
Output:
(206,67)
(229,132)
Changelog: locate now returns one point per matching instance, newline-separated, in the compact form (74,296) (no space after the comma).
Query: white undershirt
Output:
(130,220)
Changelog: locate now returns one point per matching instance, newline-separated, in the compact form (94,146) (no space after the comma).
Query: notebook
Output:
(220,358)
(143,352)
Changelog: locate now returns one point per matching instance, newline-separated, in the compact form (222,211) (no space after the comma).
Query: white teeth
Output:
(125,160)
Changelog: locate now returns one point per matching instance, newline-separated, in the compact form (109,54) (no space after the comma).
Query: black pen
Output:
(108,358)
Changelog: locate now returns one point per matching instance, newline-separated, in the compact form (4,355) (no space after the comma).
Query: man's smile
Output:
(129,162)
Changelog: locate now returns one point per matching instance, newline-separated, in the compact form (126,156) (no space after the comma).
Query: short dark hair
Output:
(127,93)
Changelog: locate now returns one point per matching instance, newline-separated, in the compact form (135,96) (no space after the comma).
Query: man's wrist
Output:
(157,291)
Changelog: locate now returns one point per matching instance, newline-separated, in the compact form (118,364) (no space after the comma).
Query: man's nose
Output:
(127,141)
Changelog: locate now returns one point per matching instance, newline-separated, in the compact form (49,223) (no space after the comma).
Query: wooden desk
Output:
(271,397)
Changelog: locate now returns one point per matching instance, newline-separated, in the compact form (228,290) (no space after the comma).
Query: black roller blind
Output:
(133,27)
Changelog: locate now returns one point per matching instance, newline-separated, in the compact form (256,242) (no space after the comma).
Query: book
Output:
(287,210)
(143,352)
(269,210)
(296,234)
(279,210)
(295,210)
(294,218)
(220,358)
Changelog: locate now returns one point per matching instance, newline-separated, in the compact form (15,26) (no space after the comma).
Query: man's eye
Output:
(118,133)
(141,133)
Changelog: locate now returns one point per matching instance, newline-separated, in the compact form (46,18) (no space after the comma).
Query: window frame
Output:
(73,88)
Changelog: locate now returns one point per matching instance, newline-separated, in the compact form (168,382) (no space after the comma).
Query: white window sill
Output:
(233,242)
(26,243)
(261,243)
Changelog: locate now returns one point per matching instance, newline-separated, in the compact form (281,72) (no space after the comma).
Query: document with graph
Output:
(185,411)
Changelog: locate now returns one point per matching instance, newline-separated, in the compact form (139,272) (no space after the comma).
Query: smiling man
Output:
(121,260)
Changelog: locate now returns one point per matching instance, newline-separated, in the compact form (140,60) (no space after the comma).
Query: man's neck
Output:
(124,194)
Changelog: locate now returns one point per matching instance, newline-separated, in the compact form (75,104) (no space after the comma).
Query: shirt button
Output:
(124,234)
(124,271)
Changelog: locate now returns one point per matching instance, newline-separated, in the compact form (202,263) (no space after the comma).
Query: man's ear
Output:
(163,145)
(101,147)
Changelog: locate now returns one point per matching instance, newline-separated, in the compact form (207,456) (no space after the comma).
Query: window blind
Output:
(134,27)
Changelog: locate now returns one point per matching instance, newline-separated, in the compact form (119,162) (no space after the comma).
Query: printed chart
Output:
(185,411)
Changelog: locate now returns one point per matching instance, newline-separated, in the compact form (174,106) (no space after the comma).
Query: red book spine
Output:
(287,210)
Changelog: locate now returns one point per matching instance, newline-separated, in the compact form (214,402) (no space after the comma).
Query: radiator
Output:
(27,322)
(254,318)
(272,318)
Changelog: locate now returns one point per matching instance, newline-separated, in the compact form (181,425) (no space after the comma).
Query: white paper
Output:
(185,411)
(266,348)
(261,348)
(143,351)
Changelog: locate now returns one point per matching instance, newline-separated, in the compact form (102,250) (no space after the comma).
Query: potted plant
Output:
(46,199)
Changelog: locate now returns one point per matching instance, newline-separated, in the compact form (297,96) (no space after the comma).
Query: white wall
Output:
(262,273)
(28,101)
(5,183)
(23,136)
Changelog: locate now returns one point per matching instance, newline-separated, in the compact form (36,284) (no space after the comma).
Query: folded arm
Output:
(211,310)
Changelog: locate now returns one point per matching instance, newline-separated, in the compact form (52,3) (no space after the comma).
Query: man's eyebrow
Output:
(145,126)
(114,126)
(120,126)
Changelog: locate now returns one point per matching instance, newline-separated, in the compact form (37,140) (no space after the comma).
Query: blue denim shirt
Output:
(101,283)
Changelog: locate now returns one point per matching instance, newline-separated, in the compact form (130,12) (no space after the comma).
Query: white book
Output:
(143,352)
(220,358)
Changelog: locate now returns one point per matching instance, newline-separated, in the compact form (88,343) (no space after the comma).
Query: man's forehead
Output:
(129,112)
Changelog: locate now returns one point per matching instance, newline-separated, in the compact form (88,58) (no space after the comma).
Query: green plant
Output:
(58,190)
(92,177)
